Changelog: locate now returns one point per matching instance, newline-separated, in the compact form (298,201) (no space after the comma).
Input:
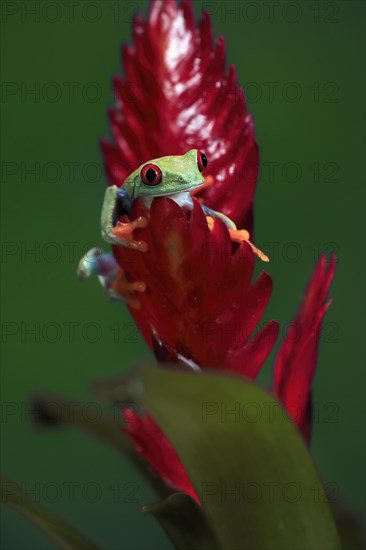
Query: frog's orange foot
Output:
(127,289)
(240,235)
(124,230)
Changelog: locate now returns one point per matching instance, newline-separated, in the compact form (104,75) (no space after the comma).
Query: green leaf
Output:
(247,462)
(117,389)
(184,522)
(58,530)
(55,411)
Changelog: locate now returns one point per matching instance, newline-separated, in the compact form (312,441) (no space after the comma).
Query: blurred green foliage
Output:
(303,67)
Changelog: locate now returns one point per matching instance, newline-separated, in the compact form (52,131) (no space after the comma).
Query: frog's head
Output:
(167,175)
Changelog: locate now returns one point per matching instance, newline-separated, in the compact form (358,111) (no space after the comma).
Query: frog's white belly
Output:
(182,199)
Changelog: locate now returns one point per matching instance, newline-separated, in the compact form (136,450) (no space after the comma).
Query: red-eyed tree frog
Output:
(177,177)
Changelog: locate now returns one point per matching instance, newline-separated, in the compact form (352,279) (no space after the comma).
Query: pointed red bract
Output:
(199,299)
(177,96)
(296,361)
(152,444)
(249,359)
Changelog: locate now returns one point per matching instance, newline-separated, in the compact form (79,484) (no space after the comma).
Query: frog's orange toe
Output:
(127,289)
(210,222)
(240,235)
(138,286)
(261,255)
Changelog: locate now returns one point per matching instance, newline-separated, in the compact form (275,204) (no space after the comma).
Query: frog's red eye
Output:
(201,161)
(151,174)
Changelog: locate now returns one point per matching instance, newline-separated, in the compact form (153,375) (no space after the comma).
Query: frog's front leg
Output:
(237,235)
(116,204)
(214,214)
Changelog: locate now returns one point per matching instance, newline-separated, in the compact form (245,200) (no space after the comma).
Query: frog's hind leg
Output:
(110,275)
(96,262)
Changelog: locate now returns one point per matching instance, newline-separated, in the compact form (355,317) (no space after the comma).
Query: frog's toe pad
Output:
(89,264)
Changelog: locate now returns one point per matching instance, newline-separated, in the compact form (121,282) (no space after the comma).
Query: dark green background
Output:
(318,203)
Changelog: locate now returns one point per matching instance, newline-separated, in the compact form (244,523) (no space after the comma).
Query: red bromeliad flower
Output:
(176,97)
(200,304)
